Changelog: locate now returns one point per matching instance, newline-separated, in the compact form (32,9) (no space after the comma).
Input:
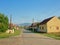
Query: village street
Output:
(29,38)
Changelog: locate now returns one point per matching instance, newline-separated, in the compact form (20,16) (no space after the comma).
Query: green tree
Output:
(59,17)
(3,23)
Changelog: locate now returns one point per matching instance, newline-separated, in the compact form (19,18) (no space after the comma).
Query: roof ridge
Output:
(46,20)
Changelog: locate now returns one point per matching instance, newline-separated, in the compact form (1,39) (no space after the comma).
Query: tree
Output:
(59,17)
(3,23)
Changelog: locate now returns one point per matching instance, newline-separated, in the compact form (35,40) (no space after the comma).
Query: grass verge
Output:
(53,35)
(7,35)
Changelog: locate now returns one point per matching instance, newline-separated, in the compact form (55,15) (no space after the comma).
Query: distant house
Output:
(13,26)
(50,25)
(34,26)
(16,27)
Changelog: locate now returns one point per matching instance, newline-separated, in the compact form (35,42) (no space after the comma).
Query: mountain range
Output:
(25,24)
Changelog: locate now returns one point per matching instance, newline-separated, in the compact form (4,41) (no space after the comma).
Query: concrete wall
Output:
(10,31)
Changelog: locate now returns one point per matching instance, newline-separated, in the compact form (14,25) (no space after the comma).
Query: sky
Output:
(24,11)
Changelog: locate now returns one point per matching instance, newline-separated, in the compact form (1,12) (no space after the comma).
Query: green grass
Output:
(7,35)
(53,35)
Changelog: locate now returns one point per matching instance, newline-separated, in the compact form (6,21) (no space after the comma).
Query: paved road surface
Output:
(29,38)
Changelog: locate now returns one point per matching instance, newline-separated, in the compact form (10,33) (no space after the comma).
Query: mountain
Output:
(25,24)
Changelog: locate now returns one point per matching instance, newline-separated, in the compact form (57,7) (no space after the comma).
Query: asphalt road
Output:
(29,38)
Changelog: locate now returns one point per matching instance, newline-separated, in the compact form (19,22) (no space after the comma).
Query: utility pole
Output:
(33,20)
(33,24)
(10,21)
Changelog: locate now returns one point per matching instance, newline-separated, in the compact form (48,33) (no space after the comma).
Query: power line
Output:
(55,11)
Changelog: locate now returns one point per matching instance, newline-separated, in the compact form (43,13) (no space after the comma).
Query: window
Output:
(42,27)
(57,28)
(50,27)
